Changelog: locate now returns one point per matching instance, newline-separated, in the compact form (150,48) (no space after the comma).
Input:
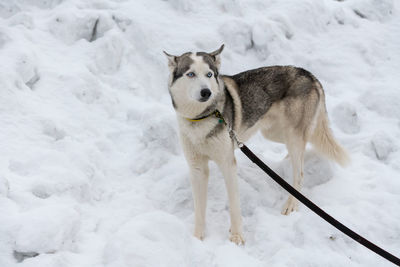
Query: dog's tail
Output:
(323,140)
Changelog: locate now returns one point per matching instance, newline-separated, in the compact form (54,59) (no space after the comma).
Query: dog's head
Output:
(194,81)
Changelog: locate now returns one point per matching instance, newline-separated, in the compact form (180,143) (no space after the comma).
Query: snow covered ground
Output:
(91,171)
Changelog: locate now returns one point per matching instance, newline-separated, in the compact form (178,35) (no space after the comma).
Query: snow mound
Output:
(49,230)
(382,146)
(4,186)
(152,239)
(346,118)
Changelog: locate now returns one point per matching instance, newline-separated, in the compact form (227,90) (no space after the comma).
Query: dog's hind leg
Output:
(199,178)
(296,146)
(228,169)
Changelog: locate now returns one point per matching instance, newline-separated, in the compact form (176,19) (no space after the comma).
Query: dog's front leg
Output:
(199,179)
(228,168)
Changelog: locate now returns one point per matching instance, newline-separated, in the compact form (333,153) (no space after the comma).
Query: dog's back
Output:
(259,88)
(289,100)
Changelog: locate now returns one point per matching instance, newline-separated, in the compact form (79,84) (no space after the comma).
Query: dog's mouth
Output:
(204,99)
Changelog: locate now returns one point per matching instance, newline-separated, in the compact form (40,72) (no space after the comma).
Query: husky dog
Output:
(287,104)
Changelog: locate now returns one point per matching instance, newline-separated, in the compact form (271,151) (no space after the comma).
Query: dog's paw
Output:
(199,235)
(291,204)
(237,239)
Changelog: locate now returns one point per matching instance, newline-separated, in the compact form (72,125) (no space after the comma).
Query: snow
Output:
(169,247)
(346,118)
(49,229)
(91,170)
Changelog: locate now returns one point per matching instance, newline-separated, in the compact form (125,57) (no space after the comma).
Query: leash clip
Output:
(232,133)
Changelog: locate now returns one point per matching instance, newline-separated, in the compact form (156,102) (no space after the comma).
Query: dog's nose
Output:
(205,94)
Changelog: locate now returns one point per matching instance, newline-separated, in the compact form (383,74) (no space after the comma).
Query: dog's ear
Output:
(172,61)
(216,55)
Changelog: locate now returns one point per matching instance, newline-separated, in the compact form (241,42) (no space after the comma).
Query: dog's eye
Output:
(209,75)
(191,74)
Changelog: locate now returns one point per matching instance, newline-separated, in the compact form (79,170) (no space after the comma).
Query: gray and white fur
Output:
(287,104)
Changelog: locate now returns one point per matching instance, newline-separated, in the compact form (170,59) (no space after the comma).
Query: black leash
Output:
(341,227)
(299,196)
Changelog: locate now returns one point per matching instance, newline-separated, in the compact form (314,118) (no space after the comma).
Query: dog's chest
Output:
(198,132)
(205,137)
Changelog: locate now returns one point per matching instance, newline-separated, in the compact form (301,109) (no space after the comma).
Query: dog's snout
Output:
(205,94)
